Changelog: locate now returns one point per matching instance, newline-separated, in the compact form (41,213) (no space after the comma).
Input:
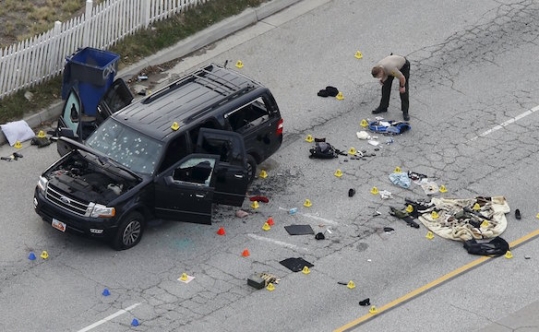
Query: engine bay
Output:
(87,181)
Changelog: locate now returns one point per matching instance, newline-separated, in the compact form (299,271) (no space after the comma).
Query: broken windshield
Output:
(126,146)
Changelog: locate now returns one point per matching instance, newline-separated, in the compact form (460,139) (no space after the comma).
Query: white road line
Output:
(506,123)
(280,243)
(308,215)
(108,318)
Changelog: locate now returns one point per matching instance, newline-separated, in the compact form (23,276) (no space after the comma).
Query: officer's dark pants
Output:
(386,90)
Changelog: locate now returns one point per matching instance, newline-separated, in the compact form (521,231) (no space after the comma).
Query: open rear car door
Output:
(215,173)
(232,179)
(78,124)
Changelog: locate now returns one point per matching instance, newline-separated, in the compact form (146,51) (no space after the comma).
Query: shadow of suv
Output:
(171,155)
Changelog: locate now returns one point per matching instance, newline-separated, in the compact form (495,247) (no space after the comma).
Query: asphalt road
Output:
(474,106)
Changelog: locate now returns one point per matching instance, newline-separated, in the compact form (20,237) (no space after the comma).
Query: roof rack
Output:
(214,82)
(205,76)
(230,96)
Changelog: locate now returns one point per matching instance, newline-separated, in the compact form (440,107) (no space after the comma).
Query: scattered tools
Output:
(404,216)
(261,280)
(418,206)
(476,213)
(13,156)
(41,142)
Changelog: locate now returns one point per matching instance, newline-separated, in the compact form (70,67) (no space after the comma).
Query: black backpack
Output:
(323,150)
(495,247)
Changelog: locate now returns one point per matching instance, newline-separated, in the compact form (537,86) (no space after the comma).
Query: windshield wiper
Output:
(106,161)
(119,166)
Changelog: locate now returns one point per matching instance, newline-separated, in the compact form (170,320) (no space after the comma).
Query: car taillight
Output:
(280,127)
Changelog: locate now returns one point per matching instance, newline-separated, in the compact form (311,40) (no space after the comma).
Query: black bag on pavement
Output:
(323,150)
(495,247)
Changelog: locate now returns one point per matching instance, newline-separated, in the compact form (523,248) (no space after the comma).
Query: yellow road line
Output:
(431,285)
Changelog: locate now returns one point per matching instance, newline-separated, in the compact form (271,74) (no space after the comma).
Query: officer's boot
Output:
(405,116)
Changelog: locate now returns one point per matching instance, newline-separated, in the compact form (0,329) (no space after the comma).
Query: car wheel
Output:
(251,168)
(129,232)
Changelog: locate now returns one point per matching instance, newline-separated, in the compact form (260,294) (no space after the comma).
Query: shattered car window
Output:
(126,146)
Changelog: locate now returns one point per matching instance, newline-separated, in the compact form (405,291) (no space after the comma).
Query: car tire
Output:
(129,232)
(251,168)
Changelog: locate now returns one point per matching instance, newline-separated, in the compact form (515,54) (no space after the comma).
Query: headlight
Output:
(42,183)
(101,211)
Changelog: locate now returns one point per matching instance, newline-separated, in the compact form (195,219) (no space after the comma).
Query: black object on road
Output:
(404,216)
(299,229)
(479,214)
(494,247)
(320,236)
(295,264)
(365,302)
(13,156)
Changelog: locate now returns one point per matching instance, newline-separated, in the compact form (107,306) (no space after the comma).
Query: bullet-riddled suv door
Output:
(231,175)
(215,173)
(185,192)
(258,122)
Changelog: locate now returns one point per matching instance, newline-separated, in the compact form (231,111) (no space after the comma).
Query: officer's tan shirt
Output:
(392,65)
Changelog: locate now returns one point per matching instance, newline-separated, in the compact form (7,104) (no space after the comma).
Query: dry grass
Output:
(22,19)
(161,35)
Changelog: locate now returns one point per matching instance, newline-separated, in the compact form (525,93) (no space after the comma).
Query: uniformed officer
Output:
(385,70)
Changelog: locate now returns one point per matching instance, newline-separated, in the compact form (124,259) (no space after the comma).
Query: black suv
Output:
(171,155)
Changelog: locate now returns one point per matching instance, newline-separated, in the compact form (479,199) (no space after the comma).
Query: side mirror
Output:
(169,180)
(66,132)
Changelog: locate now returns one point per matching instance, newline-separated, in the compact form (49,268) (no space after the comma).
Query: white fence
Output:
(42,57)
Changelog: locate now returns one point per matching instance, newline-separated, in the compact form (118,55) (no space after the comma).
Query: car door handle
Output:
(239,176)
(200,195)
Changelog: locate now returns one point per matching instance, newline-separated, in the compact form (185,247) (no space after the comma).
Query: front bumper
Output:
(93,227)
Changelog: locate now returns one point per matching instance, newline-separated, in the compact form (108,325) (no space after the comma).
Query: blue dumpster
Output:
(92,72)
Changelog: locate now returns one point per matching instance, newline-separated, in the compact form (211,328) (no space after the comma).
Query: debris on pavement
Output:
(403,215)
(259,199)
(384,194)
(365,302)
(363,135)
(494,247)
(329,91)
(17,131)
(400,179)
(185,278)
(242,214)
(295,264)
(40,142)
(389,127)
(430,187)
(323,150)
(299,229)
(482,217)
(13,156)
(417,177)
(261,280)
(319,236)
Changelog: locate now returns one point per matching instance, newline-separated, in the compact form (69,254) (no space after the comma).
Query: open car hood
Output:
(66,145)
